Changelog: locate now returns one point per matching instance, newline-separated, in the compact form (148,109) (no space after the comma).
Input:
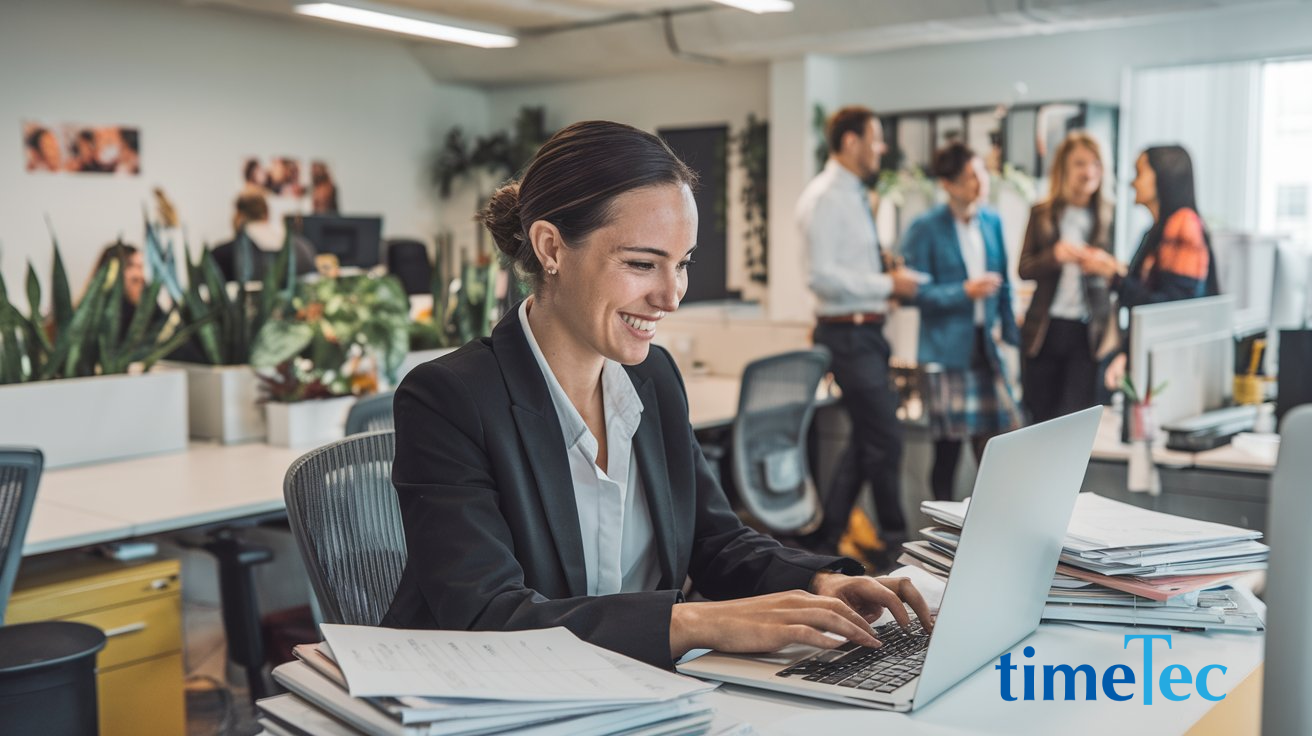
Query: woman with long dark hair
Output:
(1174,260)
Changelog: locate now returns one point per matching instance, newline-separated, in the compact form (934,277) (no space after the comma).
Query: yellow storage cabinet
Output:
(139,607)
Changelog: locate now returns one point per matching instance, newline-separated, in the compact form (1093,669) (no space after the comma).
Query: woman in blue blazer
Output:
(966,301)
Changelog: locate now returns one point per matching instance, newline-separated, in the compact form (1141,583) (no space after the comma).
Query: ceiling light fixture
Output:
(386,18)
(759,6)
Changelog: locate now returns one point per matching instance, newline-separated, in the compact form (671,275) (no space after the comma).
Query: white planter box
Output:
(307,423)
(78,421)
(416,357)
(223,402)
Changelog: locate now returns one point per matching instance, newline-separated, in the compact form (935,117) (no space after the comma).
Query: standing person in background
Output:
(1174,260)
(323,190)
(1070,324)
(853,288)
(960,246)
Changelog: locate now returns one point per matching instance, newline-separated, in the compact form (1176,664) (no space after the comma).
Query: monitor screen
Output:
(356,241)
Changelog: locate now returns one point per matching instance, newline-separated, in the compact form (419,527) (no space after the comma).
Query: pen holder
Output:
(1143,427)
(1142,475)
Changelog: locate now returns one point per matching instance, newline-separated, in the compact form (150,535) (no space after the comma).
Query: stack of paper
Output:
(546,682)
(1121,564)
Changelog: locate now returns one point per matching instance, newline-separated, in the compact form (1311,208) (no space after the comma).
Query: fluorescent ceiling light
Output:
(759,6)
(386,18)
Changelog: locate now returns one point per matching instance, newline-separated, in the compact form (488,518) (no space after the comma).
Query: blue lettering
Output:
(1110,681)
(1202,682)
(1147,660)
(1029,674)
(1090,680)
(1005,668)
(1167,681)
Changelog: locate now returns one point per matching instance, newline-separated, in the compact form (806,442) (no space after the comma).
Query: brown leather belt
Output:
(860,318)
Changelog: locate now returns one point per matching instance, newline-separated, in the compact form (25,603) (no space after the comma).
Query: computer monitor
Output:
(1246,265)
(356,241)
(1190,346)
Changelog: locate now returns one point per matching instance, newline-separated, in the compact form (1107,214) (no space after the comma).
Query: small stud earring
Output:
(551,271)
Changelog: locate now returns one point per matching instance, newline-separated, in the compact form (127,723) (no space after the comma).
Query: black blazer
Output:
(491,526)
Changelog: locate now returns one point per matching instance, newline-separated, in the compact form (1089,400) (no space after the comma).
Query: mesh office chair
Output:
(370,414)
(347,523)
(20,472)
(408,261)
(770,467)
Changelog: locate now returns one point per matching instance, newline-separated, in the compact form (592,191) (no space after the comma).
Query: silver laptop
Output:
(1024,495)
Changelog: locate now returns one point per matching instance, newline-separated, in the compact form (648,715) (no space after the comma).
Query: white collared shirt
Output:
(1069,301)
(971,239)
(842,245)
(619,550)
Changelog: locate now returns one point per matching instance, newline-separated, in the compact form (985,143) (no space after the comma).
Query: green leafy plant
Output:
(753,143)
(86,339)
(500,154)
(1132,394)
(229,322)
(314,345)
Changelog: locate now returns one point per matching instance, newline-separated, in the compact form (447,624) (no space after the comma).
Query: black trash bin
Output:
(48,679)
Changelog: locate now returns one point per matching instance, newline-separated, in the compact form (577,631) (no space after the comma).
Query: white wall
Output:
(683,99)
(207,88)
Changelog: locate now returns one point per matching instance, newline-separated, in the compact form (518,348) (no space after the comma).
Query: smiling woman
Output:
(548,475)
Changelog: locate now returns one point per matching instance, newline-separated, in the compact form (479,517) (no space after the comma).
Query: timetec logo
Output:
(1118,681)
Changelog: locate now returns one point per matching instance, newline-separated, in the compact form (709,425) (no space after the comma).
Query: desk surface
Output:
(975,706)
(1108,446)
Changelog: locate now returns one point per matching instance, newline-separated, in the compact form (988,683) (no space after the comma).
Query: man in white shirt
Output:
(853,288)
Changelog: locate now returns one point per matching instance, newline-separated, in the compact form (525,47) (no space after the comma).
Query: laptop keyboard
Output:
(882,670)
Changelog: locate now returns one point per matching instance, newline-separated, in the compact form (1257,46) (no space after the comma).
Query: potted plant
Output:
(462,310)
(80,383)
(223,390)
(323,348)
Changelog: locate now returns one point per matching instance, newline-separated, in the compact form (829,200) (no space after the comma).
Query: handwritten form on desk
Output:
(540,664)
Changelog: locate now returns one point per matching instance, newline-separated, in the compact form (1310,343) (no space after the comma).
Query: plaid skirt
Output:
(967,403)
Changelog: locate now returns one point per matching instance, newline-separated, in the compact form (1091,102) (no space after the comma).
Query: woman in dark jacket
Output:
(548,476)
(1174,260)
(1071,323)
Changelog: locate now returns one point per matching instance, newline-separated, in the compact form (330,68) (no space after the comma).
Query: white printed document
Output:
(541,664)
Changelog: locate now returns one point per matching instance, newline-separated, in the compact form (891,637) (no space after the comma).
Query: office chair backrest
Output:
(20,472)
(408,261)
(370,414)
(345,518)
(770,465)
(1286,707)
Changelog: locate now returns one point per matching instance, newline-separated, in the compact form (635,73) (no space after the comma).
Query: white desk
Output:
(975,705)
(1108,446)
(205,484)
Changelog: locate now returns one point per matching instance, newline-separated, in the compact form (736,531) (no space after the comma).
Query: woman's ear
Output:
(547,244)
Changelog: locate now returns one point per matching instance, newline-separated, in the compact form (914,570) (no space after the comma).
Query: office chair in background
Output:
(347,523)
(408,261)
(371,414)
(47,668)
(771,472)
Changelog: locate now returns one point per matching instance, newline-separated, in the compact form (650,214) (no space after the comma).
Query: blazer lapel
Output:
(544,445)
(649,449)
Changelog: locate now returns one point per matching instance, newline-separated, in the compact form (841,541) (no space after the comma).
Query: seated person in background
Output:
(266,239)
(549,476)
(960,246)
(133,269)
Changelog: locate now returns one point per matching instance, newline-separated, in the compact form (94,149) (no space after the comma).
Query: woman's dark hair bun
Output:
(501,218)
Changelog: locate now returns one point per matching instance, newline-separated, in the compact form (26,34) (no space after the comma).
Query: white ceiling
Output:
(573,39)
